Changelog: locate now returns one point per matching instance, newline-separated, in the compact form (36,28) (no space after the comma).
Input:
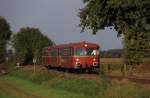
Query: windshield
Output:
(86,51)
(80,51)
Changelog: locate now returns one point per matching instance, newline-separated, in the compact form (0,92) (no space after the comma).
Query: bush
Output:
(33,77)
(77,85)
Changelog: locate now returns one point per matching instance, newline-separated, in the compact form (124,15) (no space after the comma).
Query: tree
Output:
(130,18)
(111,53)
(5,34)
(28,44)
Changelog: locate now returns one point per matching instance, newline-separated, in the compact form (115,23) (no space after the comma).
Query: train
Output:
(83,56)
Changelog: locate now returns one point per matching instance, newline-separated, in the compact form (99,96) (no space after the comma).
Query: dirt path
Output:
(16,92)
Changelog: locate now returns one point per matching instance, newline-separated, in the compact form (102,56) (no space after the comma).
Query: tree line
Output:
(27,43)
(111,53)
(118,53)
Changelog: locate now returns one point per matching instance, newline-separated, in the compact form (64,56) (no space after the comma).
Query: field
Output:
(111,65)
(115,66)
(47,84)
(112,61)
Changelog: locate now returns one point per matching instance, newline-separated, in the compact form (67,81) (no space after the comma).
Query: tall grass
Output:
(86,87)
(114,66)
(112,61)
(33,77)
(5,95)
(126,91)
(26,89)
(92,88)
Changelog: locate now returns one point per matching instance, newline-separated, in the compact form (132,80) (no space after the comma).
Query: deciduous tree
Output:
(5,34)
(28,44)
(130,18)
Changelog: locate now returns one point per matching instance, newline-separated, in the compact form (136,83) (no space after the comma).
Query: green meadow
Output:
(25,84)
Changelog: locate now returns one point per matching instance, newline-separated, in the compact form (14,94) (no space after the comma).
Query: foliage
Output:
(118,13)
(76,85)
(5,34)
(5,95)
(111,53)
(130,18)
(37,78)
(28,44)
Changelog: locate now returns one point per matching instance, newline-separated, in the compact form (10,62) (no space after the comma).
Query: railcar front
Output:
(86,57)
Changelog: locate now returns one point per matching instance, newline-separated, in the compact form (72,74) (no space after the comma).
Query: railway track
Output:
(95,76)
(132,79)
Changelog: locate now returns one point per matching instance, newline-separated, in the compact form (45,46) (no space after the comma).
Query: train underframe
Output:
(80,69)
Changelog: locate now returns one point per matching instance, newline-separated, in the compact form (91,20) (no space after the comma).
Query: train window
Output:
(95,52)
(80,51)
(65,52)
(89,51)
(45,53)
(53,52)
(86,51)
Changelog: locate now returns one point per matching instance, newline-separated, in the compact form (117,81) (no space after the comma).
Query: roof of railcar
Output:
(74,45)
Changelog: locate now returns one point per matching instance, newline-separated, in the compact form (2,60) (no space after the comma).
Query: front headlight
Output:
(94,59)
(77,59)
(95,63)
(77,63)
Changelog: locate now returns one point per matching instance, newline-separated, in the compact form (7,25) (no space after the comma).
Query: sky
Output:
(58,19)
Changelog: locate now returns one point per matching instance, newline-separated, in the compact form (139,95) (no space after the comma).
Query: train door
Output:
(45,57)
(54,57)
(65,57)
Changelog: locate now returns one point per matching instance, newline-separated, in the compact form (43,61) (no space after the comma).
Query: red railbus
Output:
(79,55)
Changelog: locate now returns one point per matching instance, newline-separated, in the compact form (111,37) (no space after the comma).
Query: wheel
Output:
(90,70)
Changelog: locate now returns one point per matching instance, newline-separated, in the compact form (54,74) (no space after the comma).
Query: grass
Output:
(112,61)
(126,91)
(5,95)
(72,85)
(56,86)
(37,78)
(115,66)
(90,88)
(38,91)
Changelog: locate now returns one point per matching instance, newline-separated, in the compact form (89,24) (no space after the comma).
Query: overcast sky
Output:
(58,19)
